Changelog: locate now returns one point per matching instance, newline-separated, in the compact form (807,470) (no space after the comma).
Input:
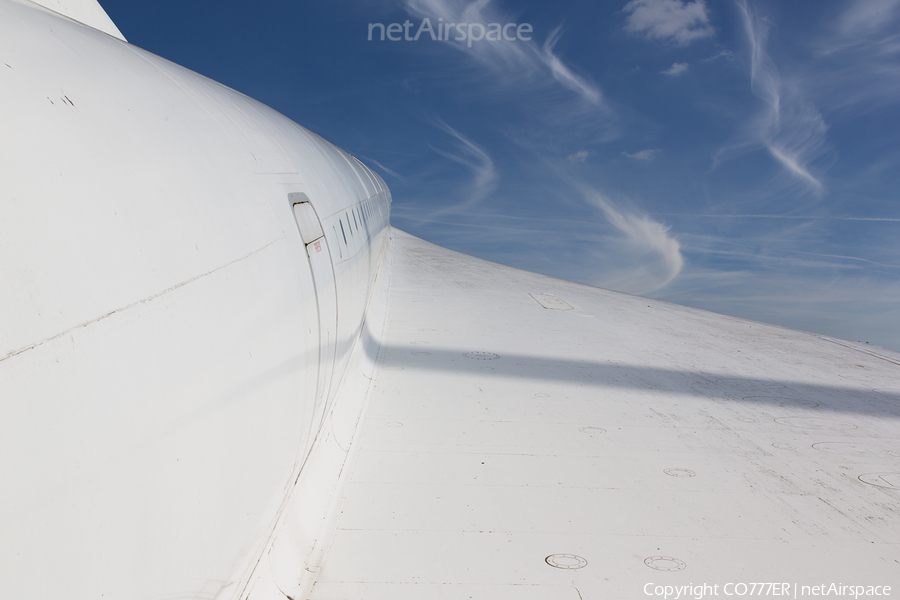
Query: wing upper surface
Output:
(533,438)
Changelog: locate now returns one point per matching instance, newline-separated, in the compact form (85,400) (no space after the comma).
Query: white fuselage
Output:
(169,346)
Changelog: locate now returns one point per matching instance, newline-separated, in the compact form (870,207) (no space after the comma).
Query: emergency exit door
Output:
(326,298)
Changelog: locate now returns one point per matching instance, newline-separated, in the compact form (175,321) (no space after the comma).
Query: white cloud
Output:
(648,154)
(791,161)
(790,127)
(564,75)
(867,17)
(676,69)
(656,255)
(789,217)
(859,55)
(390,172)
(477,161)
(852,305)
(517,61)
(668,20)
(724,54)
(578,157)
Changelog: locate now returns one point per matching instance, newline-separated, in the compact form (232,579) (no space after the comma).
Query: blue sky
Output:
(739,156)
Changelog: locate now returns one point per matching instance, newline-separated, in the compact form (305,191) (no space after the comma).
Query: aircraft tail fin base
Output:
(87,12)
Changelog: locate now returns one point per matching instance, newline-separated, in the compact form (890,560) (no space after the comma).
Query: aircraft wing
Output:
(528,437)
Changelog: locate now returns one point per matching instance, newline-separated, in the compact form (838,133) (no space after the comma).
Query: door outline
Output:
(318,255)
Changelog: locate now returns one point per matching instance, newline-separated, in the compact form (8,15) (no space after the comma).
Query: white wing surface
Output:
(528,437)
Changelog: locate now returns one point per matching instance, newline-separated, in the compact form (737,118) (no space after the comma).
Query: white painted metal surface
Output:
(88,12)
(182,375)
(518,420)
(159,346)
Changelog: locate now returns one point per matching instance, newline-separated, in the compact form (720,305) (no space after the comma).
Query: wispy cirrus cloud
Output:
(782,273)
(564,75)
(390,172)
(669,20)
(852,306)
(676,69)
(553,108)
(476,161)
(551,105)
(578,157)
(648,154)
(721,55)
(649,256)
(789,127)
(859,54)
(790,217)
(862,18)
(624,249)
(522,61)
